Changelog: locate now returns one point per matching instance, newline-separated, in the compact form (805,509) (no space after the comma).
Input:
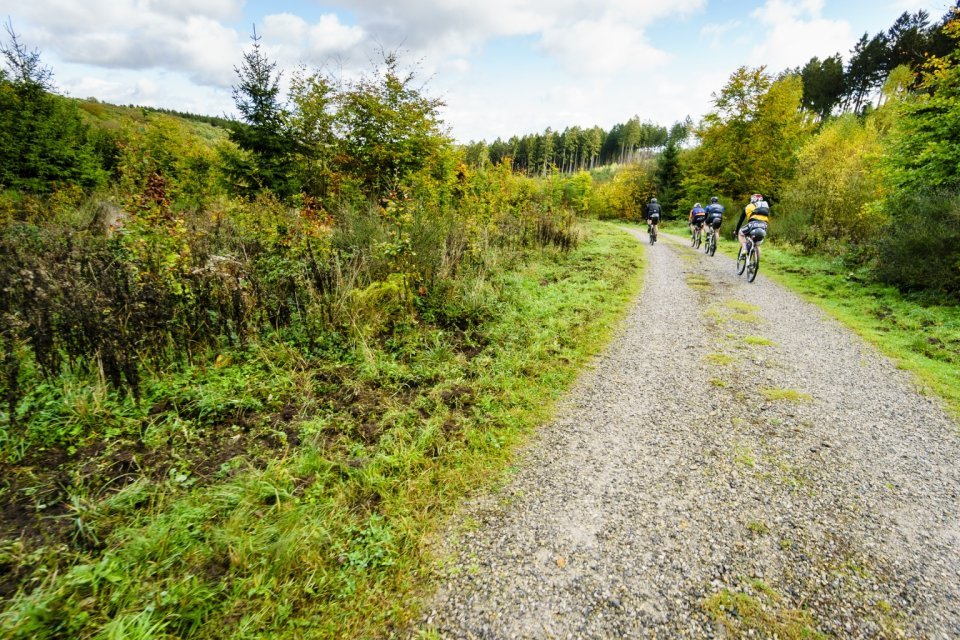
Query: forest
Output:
(216,330)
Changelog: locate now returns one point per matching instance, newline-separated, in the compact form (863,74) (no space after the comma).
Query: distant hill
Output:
(108,116)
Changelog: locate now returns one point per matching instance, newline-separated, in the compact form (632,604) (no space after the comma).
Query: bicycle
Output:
(652,231)
(710,245)
(748,259)
(697,236)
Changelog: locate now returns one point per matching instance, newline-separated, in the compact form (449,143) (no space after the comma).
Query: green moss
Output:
(758,528)
(760,610)
(744,456)
(784,395)
(721,359)
(698,282)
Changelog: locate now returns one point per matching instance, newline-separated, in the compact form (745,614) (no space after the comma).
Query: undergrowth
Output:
(284,491)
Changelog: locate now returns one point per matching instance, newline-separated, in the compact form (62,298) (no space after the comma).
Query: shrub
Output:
(921,246)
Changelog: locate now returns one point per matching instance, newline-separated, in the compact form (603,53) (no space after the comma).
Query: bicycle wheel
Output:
(706,244)
(697,239)
(741,261)
(753,263)
(713,243)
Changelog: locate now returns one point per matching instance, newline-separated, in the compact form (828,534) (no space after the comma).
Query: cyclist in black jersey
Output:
(715,213)
(653,215)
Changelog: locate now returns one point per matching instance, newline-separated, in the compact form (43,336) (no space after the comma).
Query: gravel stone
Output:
(667,478)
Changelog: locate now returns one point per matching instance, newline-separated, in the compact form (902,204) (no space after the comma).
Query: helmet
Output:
(756,197)
(653,200)
(714,200)
(696,205)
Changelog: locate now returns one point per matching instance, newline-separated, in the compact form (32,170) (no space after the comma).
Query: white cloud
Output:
(293,40)
(612,47)
(216,9)
(126,34)
(794,31)
(583,34)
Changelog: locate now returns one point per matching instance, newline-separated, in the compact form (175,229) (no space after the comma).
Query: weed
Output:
(759,609)
(784,395)
(759,341)
(740,311)
(744,456)
(698,282)
(719,383)
(738,306)
(758,528)
(720,359)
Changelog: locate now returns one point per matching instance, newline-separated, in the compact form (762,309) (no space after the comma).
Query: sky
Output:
(501,67)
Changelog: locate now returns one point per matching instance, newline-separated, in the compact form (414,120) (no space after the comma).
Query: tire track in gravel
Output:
(695,485)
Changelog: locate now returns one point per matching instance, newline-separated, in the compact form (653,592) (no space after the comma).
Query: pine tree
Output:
(43,140)
(264,131)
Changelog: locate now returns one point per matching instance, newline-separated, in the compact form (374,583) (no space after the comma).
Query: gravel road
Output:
(736,464)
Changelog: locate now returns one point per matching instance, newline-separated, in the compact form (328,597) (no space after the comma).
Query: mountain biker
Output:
(698,216)
(653,214)
(756,214)
(715,213)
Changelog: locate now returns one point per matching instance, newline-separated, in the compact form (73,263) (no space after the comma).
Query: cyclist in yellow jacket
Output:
(757,217)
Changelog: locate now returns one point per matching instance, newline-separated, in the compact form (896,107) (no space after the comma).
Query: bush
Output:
(921,246)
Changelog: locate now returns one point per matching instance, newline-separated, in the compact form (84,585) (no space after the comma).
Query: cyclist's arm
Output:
(743,216)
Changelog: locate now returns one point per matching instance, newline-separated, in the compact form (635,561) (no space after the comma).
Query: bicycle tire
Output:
(753,264)
(713,244)
(697,239)
(741,261)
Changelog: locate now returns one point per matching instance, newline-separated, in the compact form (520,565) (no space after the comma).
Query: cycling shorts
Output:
(715,222)
(654,219)
(699,220)
(756,229)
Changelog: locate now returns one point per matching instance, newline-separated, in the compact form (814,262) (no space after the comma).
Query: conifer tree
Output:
(263,131)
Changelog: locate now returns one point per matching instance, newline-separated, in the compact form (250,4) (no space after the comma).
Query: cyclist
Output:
(757,215)
(653,217)
(698,215)
(715,213)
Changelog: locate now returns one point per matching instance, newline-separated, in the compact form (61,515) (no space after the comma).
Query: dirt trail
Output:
(735,464)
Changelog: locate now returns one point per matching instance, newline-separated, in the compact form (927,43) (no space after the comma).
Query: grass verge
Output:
(323,479)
